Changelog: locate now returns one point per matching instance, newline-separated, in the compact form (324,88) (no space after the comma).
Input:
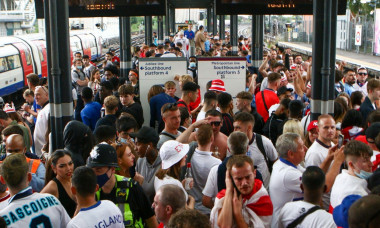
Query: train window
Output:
(3,65)
(28,57)
(40,53)
(13,62)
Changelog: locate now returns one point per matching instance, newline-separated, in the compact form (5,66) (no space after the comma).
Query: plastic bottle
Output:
(188,177)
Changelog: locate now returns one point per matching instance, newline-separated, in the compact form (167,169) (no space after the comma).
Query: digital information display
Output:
(110,8)
(265,7)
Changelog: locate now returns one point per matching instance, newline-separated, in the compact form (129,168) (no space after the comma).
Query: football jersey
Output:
(28,209)
(103,214)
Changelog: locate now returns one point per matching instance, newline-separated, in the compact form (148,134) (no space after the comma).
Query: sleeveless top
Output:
(66,201)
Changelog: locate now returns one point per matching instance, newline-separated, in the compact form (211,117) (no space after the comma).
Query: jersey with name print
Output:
(28,209)
(103,214)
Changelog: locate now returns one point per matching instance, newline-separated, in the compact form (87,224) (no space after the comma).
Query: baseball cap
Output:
(146,134)
(283,89)
(362,68)
(102,154)
(340,213)
(217,85)
(8,108)
(372,131)
(312,125)
(172,152)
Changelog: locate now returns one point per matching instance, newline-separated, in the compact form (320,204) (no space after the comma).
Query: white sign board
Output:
(157,71)
(232,70)
(358,35)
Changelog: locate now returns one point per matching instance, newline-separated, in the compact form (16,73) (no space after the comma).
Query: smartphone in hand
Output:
(233,183)
(340,140)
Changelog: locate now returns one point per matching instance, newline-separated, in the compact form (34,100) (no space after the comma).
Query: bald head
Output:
(15,144)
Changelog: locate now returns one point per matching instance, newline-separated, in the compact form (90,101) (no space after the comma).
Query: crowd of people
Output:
(201,160)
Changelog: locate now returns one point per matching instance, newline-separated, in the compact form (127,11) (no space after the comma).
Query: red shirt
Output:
(116,59)
(270,99)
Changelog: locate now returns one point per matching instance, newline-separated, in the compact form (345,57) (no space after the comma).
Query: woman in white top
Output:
(173,155)
(94,82)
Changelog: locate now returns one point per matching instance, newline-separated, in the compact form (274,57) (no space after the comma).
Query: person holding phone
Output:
(241,185)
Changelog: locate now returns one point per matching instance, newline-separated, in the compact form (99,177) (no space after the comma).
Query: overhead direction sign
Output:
(264,7)
(109,8)
(231,70)
(157,71)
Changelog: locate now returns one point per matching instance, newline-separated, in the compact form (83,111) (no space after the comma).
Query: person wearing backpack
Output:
(80,81)
(307,212)
(260,148)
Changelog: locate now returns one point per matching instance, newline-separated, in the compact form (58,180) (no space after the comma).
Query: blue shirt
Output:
(348,88)
(155,104)
(90,114)
(207,45)
(189,34)
(36,108)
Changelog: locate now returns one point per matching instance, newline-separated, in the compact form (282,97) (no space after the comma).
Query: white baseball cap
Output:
(172,152)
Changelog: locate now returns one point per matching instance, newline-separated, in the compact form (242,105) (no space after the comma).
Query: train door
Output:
(26,59)
(86,45)
(94,47)
(42,53)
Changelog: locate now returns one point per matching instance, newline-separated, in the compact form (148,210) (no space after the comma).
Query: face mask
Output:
(79,67)
(192,65)
(102,179)
(363,174)
(123,140)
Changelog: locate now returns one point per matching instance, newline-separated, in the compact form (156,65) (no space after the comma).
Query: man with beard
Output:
(349,81)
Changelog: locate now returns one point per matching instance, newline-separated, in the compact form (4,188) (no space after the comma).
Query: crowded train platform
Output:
(193,149)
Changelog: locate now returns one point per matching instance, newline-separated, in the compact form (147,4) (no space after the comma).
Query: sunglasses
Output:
(215,123)
(43,88)
(169,107)
(362,73)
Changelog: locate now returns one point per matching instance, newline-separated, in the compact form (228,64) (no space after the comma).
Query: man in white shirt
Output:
(244,122)
(354,180)
(361,80)
(42,98)
(201,163)
(103,213)
(286,176)
(184,41)
(25,208)
(319,150)
(313,186)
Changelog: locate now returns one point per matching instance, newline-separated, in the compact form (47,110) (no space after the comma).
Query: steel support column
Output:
(234,33)
(257,41)
(125,46)
(173,29)
(222,27)
(148,30)
(214,21)
(209,17)
(323,70)
(59,70)
(167,23)
(160,30)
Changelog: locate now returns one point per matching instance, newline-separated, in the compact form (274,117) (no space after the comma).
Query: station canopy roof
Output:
(191,3)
